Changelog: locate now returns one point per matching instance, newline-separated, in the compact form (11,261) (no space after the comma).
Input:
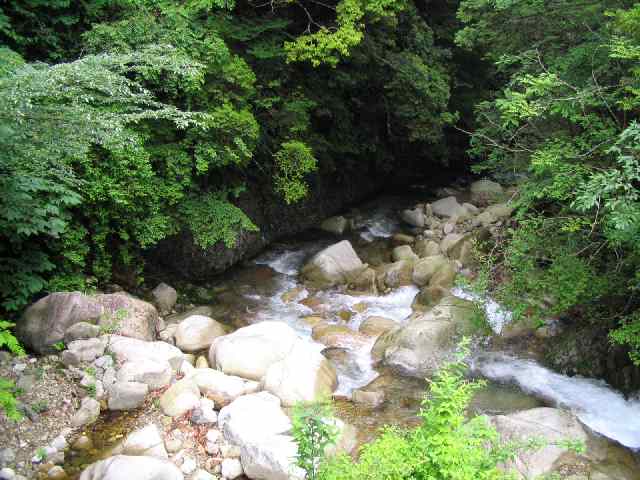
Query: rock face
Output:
(259,426)
(46,321)
(304,375)
(250,351)
(420,347)
(197,332)
(165,297)
(335,265)
(129,467)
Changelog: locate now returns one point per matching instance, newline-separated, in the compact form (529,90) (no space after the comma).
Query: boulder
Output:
(126,395)
(444,277)
(426,248)
(404,252)
(197,332)
(165,297)
(150,372)
(448,207)
(425,268)
(368,398)
(88,412)
(333,335)
(131,349)
(336,225)
(415,217)
(250,351)
(81,331)
(132,467)
(365,281)
(176,318)
(396,274)
(305,375)
(420,347)
(258,424)
(182,396)
(376,326)
(83,351)
(552,425)
(222,389)
(493,214)
(450,241)
(45,322)
(335,265)
(402,239)
(485,192)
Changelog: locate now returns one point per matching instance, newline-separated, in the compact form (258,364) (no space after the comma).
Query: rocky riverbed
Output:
(362,310)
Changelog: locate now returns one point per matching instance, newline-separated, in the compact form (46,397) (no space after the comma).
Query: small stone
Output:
(204,414)
(81,331)
(57,473)
(230,451)
(82,443)
(173,444)
(181,397)
(231,468)
(8,455)
(104,362)
(212,448)
(202,475)
(202,362)
(57,458)
(59,443)
(7,474)
(109,377)
(370,399)
(189,465)
(448,228)
(213,436)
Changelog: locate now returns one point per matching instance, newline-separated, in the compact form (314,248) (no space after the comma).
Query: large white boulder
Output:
(197,332)
(250,351)
(131,349)
(121,467)
(304,375)
(335,265)
(260,427)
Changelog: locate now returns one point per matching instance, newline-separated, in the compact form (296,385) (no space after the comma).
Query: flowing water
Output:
(269,289)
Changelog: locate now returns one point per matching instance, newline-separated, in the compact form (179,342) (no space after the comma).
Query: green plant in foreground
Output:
(40,406)
(91,390)
(314,430)
(8,402)
(59,346)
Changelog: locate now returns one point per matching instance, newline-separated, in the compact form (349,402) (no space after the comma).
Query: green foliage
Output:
(8,340)
(629,334)
(8,402)
(313,431)
(293,161)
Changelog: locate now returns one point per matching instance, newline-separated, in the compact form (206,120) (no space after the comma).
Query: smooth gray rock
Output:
(127,395)
(88,413)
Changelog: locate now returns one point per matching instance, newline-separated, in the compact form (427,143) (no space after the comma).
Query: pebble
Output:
(212,448)
(57,473)
(231,468)
(7,456)
(82,443)
(59,443)
(7,474)
(213,435)
(204,413)
(188,465)
(173,444)
(104,362)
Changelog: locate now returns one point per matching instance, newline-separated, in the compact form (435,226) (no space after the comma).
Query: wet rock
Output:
(485,192)
(303,376)
(404,252)
(415,217)
(396,274)
(197,332)
(336,225)
(250,351)
(231,468)
(221,388)
(426,248)
(143,441)
(335,265)
(126,395)
(181,397)
(365,281)
(81,331)
(425,268)
(130,467)
(448,207)
(88,413)
(375,326)
(402,239)
(257,423)
(165,297)
(153,374)
(131,349)
(82,443)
